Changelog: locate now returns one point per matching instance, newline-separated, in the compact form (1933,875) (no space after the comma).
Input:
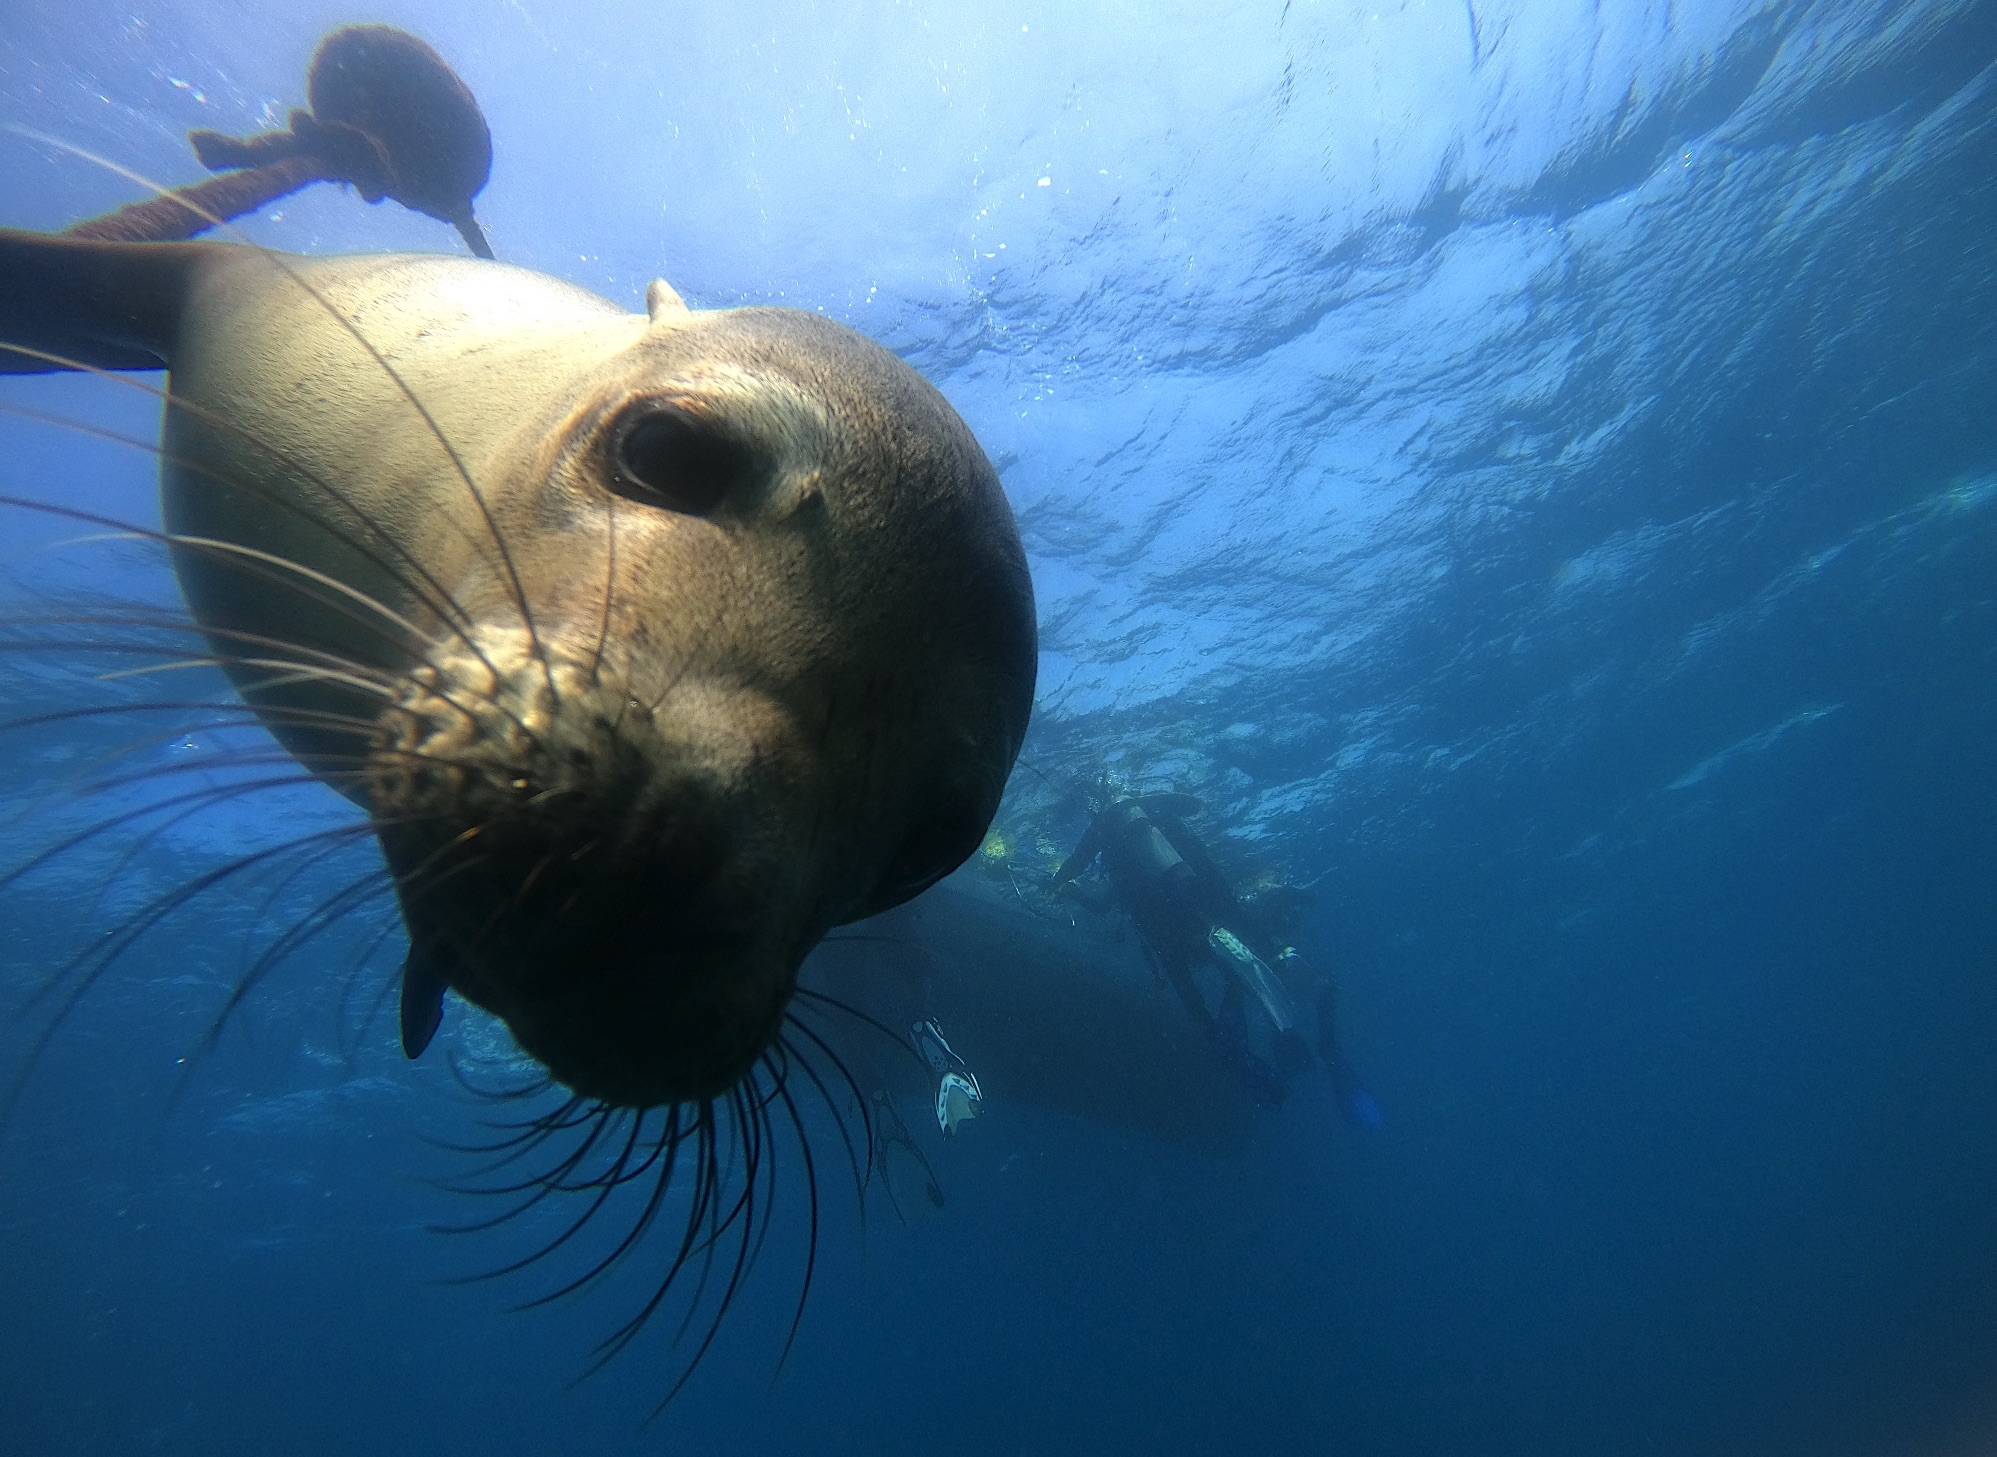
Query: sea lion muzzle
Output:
(608,876)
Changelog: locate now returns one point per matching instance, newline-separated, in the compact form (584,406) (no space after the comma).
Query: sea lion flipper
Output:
(219,152)
(423,985)
(107,305)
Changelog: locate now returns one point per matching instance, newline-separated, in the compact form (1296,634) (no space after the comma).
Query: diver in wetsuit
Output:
(1188,916)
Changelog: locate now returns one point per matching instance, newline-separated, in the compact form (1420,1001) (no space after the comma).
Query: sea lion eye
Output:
(672,459)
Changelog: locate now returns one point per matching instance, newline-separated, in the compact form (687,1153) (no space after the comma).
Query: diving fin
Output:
(1255,974)
(958,1095)
(901,1164)
(1355,1100)
(423,986)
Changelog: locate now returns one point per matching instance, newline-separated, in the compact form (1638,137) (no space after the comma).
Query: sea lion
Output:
(654,645)
(389,118)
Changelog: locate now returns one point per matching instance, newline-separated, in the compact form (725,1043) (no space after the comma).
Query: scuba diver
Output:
(1188,917)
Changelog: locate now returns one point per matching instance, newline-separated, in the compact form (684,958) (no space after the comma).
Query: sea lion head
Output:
(755,660)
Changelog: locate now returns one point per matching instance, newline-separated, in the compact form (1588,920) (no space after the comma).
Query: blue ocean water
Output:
(1531,469)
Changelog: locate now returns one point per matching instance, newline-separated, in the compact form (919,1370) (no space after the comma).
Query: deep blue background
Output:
(1531,468)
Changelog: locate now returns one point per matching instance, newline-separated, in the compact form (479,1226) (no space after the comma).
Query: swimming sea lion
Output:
(653,645)
(389,118)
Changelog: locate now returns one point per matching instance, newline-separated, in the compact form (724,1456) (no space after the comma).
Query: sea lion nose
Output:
(620,885)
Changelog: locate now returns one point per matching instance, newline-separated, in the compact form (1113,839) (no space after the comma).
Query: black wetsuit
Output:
(1176,896)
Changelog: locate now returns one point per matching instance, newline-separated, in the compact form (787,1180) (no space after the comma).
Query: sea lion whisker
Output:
(188,805)
(756,1112)
(203,801)
(100,959)
(132,647)
(745,1207)
(293,674)
(431,873)
(283,672)
(125,817)
(265,566)
(351,979)
(619,1171)
(353,330)
(244,760)
(376,680)
(327,767)
(510,904)
(235,715)
(457,842)
(283,568)
(544,1183)
(705,1207)
(334,838)
(302,672)
(671,1139)
(637,1171)
(124,531)
(75,782)
(622,1171)
(609,590)
(379,877)
(811,1225)
(355,893)
(757,1109)
(602,1118)
(532,1088)
(740,1211)
(574,1112)
(834,1004)
(522,1144)
(862,1171)
(603,1192)
(329,911)
(288,672)
(520,1130)
(410,891)
(775,1067)
(425,588)
(78,784)
(686,660)
(838,1063)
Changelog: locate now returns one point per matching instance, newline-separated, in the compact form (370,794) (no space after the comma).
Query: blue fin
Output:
(1361,1108)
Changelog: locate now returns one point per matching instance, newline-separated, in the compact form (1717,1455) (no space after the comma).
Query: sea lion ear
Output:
(662,301)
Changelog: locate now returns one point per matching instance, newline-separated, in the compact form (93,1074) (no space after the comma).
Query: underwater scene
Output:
(882,727)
